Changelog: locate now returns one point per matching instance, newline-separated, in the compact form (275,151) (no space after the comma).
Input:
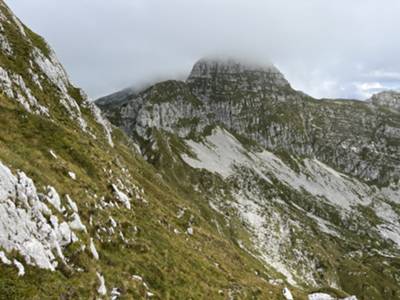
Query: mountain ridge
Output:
(251,106)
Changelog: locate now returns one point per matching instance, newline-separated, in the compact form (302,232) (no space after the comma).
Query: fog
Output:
(340,48)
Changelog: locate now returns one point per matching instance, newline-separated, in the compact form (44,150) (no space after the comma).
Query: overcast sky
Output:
(326,48)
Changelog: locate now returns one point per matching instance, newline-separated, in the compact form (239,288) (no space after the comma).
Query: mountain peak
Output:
(232,65)
(236,70)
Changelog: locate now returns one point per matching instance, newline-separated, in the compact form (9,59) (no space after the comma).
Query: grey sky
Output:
(326,48)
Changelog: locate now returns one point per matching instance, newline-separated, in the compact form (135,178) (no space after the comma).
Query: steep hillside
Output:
(84,216)
(309,187)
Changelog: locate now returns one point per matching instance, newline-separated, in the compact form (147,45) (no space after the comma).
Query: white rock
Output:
(93,249)
(54,199)
(5,45)
(6,83)
(103,122)
(323,296)
(4,259)
(76,223)
(287,294)
(29,102)
(180,213)
(65,234)
(189,231)
(137,278)
(115,294)
(113,222)
(57,75)
(24,225)
(72,175)
(122,197)
(320,296)
(72,203)
(35,78)
(102,290)
(20,267)
(52,68)
(53,154)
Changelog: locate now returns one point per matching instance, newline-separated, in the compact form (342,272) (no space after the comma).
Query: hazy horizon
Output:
(327,50)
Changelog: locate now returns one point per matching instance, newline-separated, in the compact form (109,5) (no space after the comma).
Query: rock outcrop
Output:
(388,99)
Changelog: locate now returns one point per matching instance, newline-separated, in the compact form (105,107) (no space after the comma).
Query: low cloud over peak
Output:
(325,48)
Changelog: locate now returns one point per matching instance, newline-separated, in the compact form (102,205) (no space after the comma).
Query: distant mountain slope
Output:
(117,98)
(315,183)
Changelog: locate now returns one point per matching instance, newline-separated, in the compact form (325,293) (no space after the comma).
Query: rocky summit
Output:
(229,185)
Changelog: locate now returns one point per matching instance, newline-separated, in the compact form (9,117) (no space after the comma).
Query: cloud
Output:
(323,47)
(384,74)
(367,89)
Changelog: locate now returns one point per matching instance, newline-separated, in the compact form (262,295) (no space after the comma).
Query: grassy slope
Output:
(175,266)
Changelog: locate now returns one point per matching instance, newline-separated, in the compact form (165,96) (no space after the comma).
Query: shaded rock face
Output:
(358,138)
(117,98)
(154,109)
